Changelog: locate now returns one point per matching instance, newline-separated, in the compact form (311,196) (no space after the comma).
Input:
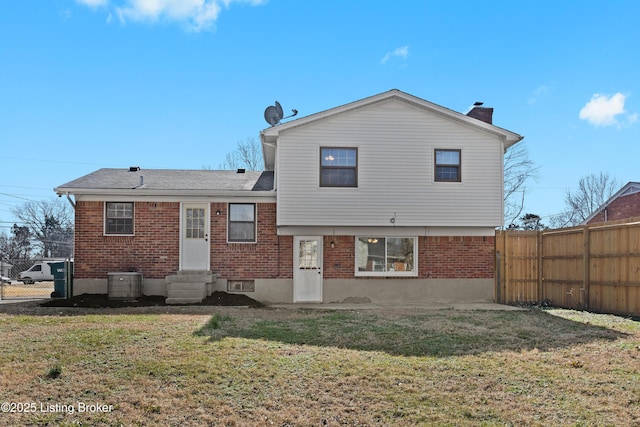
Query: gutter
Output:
(66,193)
(140,192)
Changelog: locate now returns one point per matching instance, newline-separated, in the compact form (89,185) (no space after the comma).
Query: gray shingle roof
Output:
(171,180)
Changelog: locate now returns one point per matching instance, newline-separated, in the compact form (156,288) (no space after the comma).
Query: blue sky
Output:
(86,84)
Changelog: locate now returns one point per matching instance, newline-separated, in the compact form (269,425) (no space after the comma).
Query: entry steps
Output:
(189,286)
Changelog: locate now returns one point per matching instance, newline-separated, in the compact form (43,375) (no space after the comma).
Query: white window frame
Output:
(411,273)
(255,223)
(133,220)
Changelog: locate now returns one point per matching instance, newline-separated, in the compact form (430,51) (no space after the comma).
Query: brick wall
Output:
(621,208)
(155,248)
(270,257)
(460,257)
(339,261)
(463,257)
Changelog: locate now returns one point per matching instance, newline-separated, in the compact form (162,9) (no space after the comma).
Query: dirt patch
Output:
(103,301)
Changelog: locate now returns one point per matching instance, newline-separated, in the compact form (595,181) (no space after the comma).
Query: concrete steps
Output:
(188,286)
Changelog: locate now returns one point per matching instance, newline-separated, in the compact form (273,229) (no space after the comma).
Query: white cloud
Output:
(603,110)
(93,3)
(66,14)
(540,92)
(401,52)
(196,15)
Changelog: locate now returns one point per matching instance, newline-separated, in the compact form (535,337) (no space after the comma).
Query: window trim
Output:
(410,273)
(355,168)
(106,220)
(435,165)
(254,222)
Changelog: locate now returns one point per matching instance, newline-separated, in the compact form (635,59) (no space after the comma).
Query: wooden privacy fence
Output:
(594,267)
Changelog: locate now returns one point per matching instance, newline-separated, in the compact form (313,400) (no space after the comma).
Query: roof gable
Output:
(270,135)
(629,188)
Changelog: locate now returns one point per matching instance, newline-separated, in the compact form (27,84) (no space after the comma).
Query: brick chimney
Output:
(481,113)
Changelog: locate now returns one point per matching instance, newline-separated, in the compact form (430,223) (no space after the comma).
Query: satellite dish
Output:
(273,114)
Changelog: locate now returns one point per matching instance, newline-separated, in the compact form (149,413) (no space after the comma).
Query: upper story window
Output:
(118,218)
(448,166)
(338,167)
(242,222)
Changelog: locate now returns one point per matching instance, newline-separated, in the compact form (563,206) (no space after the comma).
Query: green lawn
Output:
(238,366)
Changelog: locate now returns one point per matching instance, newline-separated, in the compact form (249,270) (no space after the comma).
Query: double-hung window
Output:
(242,222)
(386,256)
(448,165)
(118,218)
(338,167)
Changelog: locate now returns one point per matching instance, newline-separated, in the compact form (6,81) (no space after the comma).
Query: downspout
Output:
(71,202)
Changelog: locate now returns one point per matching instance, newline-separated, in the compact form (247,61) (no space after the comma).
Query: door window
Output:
(194,223)
(308,258)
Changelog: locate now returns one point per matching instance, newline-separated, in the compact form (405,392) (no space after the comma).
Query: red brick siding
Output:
(339,261)
(621,208)
(155,248)
(270,257)
(463,257)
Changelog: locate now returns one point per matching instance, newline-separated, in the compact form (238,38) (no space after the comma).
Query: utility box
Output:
(124,285)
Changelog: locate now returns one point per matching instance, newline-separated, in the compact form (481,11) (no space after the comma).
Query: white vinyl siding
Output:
(396,142)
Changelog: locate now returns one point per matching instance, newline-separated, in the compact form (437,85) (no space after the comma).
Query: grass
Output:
(237,366)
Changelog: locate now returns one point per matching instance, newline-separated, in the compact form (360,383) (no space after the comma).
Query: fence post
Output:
(585,266)
(498,284)
(539,246)
(505,262)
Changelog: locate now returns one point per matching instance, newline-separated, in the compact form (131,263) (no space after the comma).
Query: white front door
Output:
(307,269)
(194,236)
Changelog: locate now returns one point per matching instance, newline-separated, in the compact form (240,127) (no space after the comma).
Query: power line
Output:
(18,197)
(28,188)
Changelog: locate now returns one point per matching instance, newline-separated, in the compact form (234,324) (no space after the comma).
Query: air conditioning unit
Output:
(126,285)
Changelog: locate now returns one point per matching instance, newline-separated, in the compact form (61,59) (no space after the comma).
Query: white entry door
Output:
(307,266)
(194,236)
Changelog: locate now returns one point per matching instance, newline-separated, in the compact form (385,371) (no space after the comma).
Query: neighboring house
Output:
(624,204)
(387,199)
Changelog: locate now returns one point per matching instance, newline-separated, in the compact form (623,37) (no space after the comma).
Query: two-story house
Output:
(387,199)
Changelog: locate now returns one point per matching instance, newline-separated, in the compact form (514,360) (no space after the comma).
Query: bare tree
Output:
(518,169)
(247,155)
(50,223)
(593,190)
(17,245)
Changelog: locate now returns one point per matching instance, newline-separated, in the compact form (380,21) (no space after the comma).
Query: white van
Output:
(39,272)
